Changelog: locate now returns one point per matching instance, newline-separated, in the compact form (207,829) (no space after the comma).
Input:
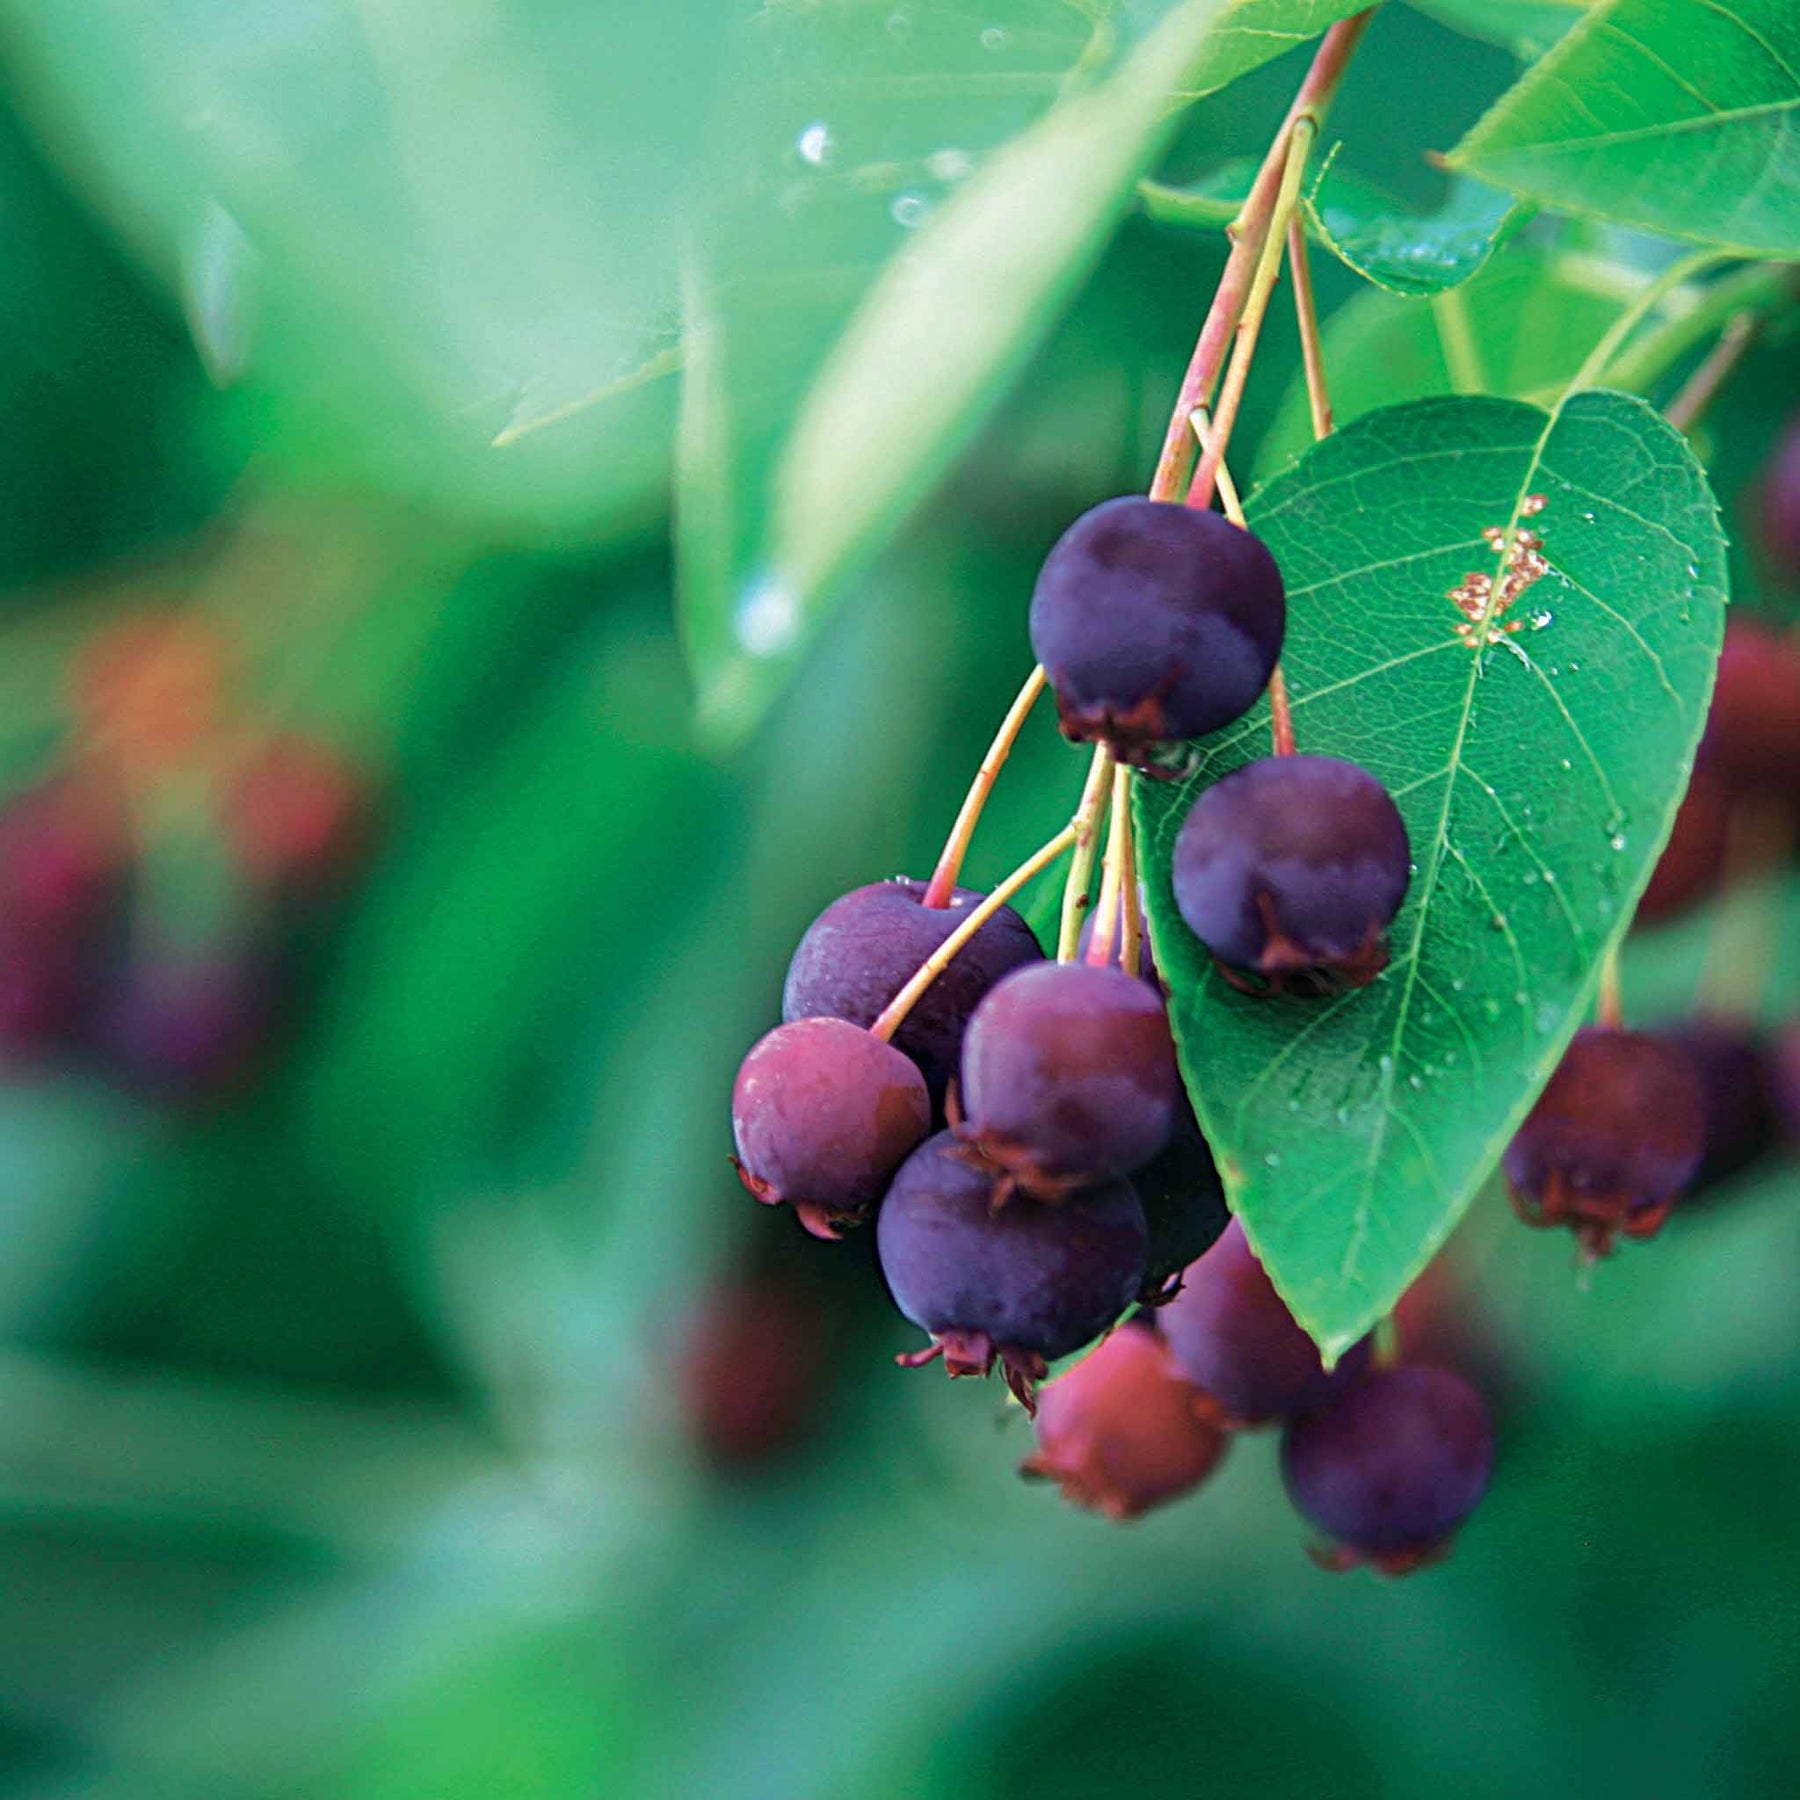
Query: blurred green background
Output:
(354,1434)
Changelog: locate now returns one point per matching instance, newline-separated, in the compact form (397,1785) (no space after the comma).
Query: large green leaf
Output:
(898,204)
(1679,116)
(1538,768)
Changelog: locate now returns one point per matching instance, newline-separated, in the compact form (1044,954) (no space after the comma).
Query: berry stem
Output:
(1248,231)
(1312,351)
(1131,912)
(1107,924)
(1296,146)
(1702,387)
(893,1015)
(956,846)
(1081,867)
(1611,1009)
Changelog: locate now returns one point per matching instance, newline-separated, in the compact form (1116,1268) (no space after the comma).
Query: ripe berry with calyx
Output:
(1020,1283)
(1614,1140)
(823,1114)
(1121,1431)
(1737,1097)
(1391,1468)
(1068,1073)
(1233,1337)
(860,951)
(1155,622)
(1290,871)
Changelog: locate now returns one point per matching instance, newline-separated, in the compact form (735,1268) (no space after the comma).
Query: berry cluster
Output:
(1385,1459)
(151,883)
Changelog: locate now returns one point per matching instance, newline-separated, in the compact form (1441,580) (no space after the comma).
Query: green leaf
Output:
(1678,116)
(1525,27)
(1537,773)
(898,205)
(1520,328)
(1412,253)
(1363,225)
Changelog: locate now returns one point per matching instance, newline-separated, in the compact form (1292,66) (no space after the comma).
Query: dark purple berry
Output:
(1019,1282)
(862,949)
(823,1115)
(1155,622)
(187,1029)
(1068,1073)
(1291,870)
(1752,735)
(1184,1201)
(1614,1140)
(1391,1467)
(1121,1431)
(1781,506)
(1737,1097)
(1784,1075)
(1233,1337)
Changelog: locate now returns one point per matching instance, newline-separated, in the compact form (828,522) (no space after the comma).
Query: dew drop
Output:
(1565,765)
(949,165)
(1386,1065)
(993,38)
(1498,921)
(1491,1008)
(815,145)
(908,210)
(1617,840)
(1545,1020)
(1457,984)
(1342,1115)
(899,26)
(1415,1082)
(767,618)
(1273,1159)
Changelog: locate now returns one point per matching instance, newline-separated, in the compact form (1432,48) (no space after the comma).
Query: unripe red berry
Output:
(1233,1337)
(1613,1141)
(1692,863)
(1290,871)
(1121,1431)
(1392,1467)
(1020,1283)
(823,1114)
(753,1369)
(864,947)
(1155,622)
(1068,1074)
(298,813)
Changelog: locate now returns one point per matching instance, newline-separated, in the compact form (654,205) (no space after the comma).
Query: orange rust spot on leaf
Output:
(1484,603)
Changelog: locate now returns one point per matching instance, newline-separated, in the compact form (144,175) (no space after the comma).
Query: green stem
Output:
(1677,274)
(1752,290)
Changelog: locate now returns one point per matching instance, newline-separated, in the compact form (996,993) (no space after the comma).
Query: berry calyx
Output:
(1019,1283)
(1290,871)
(1391,1468)
(1613,1141)
(1233,1337)
(1121,1432)
(861,950)
(823,1114)
(1068,1074)
(1156,622)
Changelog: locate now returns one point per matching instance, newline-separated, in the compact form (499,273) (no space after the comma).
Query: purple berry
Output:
(1121,1431)
(1391,1467)
(1614,1140)
(861,950)
(823,1115)
(1184,1201)
(1784,1076)
(1752,736)
(1291,869)
(1235,1339)
(1155,622)
(1068,1073)
(1021,1283)
(1737,1097)
(1781,506)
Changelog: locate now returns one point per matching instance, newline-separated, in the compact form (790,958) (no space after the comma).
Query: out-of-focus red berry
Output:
(1752,735)
(1693,861)
(298,814)
(753,1370)
(151,689)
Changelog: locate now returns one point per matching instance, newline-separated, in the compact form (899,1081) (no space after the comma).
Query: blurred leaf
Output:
(1520,329)
(411,227)
(1538,776)
(1366,228)
(1526,27)
(1677,116)
(852,127)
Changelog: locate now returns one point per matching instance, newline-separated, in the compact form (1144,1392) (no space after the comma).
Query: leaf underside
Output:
(1678,116)
(1537,757)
